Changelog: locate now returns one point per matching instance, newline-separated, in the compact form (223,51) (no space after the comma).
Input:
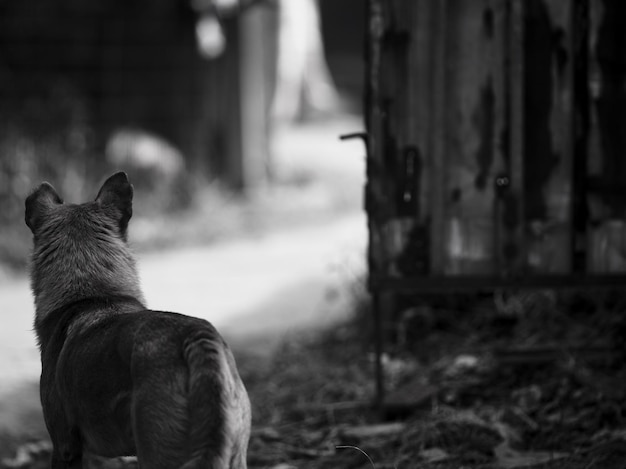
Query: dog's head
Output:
(80,250)
(114,203)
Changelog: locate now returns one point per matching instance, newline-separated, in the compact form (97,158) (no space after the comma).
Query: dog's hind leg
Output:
(160,421)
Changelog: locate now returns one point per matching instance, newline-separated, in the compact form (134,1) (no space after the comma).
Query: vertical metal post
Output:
(514,70)
(379,350)
(254,102)
(374,119)
(438,143)
(580,133)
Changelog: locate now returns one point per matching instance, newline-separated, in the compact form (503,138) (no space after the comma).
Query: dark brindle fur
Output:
(118,379)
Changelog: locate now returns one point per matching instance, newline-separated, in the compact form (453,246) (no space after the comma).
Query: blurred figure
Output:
(304,85)
(210,35)
(158,167)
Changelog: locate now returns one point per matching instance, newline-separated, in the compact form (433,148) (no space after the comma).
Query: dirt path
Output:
(266,286)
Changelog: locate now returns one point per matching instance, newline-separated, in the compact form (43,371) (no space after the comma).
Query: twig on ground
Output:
(359,450)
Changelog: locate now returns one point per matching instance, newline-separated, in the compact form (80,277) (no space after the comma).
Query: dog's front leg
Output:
(73,463)
(67,451)
(66,448)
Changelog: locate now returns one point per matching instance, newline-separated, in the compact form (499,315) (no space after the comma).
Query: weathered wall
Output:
(497,137)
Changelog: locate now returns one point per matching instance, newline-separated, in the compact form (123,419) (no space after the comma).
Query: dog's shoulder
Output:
(75,317)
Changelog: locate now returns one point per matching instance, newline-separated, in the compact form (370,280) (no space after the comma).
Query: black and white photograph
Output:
(312,234)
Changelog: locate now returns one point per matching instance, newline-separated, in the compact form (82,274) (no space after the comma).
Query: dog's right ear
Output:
(117,193)
(39,203)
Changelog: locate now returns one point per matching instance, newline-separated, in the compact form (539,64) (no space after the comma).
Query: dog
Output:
(117,378)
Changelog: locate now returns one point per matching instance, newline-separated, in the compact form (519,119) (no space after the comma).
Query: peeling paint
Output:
(540,159)
(485,117)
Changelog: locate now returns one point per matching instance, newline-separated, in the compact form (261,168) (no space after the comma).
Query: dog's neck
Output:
(82,278)
(50,299)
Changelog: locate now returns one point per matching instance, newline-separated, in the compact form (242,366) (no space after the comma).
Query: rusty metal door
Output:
(496,131)
(484,150)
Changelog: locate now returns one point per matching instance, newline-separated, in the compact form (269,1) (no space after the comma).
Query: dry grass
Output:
(312,398)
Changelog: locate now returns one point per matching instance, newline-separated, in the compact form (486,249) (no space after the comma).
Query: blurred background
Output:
(455,268)
(194,99)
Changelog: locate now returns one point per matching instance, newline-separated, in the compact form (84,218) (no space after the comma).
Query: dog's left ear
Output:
(117,194)
(39,204)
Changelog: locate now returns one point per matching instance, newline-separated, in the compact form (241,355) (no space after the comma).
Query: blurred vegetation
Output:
(186,211)
(171,207)
(77,90)
(46,139)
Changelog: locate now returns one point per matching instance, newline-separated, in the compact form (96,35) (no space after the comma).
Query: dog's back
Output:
(117,378)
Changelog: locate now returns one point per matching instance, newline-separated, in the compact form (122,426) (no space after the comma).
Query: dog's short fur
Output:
(118,379)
